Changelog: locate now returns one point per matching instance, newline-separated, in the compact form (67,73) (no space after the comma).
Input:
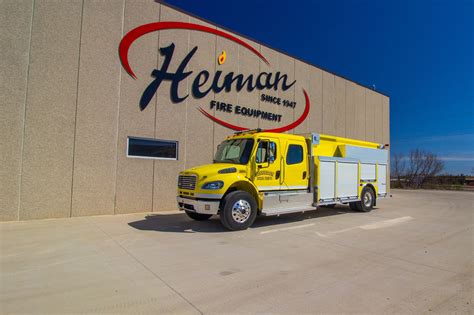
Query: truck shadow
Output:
(181,223)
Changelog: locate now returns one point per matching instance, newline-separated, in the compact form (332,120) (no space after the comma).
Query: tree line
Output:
(416,169)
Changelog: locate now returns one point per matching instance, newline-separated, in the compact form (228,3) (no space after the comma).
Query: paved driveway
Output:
(413,254)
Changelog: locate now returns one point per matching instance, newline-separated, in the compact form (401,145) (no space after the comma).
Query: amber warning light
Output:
(222,57)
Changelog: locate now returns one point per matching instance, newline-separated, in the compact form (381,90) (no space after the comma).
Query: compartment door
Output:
(347,180)
(327,180)
(367,172)
(382,178)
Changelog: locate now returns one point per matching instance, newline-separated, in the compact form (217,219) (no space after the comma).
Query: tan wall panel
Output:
(340,87)
(95,151)
(134,186)
(273,58)
(15,23)
(247,64)
(378,119)
(329,104)
(386,119)
(50,110)
(240,61)
(199,129)
(171,120)
(360,118)
(286,65)
(370,105)
(230,65)
(315,93)
(386,129)
(350,110)
(302,77)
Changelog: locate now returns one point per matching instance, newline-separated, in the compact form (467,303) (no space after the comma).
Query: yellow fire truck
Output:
(258,173)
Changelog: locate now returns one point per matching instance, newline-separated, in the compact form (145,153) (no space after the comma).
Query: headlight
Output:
(213,185)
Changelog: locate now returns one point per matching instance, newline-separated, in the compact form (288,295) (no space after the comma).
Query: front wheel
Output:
(239,211)
(198,216)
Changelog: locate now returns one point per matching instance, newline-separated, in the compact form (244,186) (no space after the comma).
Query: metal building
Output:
(104,102)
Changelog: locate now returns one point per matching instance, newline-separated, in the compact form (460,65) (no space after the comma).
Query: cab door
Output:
(268,168)
(295,166)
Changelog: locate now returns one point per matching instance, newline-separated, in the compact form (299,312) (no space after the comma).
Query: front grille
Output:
(187,182)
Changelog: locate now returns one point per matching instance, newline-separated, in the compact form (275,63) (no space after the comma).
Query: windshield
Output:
(234,151)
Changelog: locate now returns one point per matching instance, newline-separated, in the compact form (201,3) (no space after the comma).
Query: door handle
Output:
(304,175)
(277,175)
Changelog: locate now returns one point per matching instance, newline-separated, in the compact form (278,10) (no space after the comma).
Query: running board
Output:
(270,212)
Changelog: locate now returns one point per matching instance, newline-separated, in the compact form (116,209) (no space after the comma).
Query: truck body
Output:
(258,173)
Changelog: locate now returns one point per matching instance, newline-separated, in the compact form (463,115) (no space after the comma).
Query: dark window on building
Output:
(152,148)
(294,155)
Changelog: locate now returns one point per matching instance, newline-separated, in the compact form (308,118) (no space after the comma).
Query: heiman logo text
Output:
(202,84)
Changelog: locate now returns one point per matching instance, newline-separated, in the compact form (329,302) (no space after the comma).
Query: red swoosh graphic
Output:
(139,31)
(281,129)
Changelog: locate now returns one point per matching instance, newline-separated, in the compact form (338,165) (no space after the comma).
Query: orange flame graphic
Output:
(222,57)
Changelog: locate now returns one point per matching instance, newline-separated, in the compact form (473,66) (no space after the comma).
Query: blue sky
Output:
(420,53)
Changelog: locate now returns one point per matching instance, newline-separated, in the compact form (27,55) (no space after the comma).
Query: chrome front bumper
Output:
(199,206)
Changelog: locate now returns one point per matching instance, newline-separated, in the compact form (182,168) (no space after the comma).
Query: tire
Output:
(367,200)
(354,206)
(198,216)
(239,211)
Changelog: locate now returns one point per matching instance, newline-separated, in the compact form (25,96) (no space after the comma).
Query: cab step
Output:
(282,202)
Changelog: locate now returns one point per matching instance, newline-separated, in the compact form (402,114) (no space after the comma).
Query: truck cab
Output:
(261,173)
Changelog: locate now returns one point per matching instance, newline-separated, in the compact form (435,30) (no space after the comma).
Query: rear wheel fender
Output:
(375,192)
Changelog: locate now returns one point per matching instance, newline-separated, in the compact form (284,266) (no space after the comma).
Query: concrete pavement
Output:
(413,254)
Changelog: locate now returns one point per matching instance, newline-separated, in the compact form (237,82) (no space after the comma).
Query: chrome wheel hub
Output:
(368,199)
(241,211)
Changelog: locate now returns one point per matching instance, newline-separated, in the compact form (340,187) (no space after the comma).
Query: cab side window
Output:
(266,152)
(295,154)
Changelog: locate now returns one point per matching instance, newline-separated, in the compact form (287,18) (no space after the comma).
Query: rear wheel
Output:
(198,216)
(354,206)
(238,211)
(367,200)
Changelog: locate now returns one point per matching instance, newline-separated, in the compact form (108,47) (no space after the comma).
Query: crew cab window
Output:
(266,152)
(294,155)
